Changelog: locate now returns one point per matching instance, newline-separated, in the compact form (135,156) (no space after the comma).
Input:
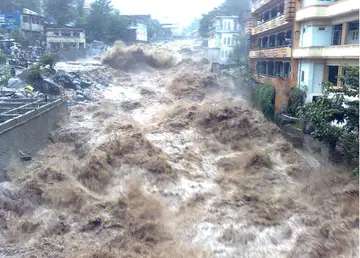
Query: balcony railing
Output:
(274,23)
(328,11)
(257,4)
(271,53)
(339,51)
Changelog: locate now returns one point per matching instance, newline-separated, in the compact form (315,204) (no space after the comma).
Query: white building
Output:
(328,33)
(61,37)
(223,35)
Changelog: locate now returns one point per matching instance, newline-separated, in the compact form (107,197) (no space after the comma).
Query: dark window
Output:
(273,12)
(266,16)
(302,76)
(287,69)
(321,28)
(25,19)
(76,34)
(81,45)
(33,20)
(65,34)
(271,68)
(336,37)
(278,68)
(333,74)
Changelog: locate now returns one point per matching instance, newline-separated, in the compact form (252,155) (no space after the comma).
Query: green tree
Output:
(62,11)
(97,19)
(115,27)
(18,5)
(80,14)
(335,115)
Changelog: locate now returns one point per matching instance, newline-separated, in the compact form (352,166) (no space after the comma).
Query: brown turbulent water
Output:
(172,164)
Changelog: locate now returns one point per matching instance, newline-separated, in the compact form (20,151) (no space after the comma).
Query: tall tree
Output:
(96,21)
(62,11)
(18,5)
(80,14)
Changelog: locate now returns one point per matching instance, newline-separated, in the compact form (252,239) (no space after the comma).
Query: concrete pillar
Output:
(344,33)
(340,73)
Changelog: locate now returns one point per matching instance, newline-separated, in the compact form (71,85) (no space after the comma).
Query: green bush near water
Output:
(264,99)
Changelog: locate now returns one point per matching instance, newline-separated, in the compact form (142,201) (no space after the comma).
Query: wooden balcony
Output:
(271,53)
(272,24)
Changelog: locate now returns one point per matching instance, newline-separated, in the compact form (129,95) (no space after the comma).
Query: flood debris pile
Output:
(137,57)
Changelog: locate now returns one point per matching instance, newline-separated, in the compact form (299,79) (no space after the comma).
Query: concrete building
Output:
(171,31)
(327,39)
(302,43)
(271,37)
(223,35)
(137,30)
(30,23)
(62,37)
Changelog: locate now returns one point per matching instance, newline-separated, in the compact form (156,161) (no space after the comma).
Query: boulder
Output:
(64,79)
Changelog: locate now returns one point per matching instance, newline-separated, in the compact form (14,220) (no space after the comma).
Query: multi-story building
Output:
(63,37)
(271,38)
(30,23)
(302,43)
(223,34)
(327,40)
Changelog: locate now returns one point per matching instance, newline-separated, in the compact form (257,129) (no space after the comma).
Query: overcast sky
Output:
(176,11)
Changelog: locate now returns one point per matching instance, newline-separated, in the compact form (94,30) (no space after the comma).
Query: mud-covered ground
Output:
(172,164)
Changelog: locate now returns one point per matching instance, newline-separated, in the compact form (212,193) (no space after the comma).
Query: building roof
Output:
(225,17)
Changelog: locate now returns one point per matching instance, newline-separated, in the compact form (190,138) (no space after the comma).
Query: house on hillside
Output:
(223,34)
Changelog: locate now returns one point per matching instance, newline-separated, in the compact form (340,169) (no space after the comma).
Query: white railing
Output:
(328,11)
(339,51)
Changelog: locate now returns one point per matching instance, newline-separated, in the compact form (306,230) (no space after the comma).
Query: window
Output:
(25,19)
(321,28)
(33,20)
(337,34)
(76,34)
(228,41)
(302,76)
(355,35)
(287,69)
(65,34)
(224,41)
(229,25)
(233,40)
(333,74)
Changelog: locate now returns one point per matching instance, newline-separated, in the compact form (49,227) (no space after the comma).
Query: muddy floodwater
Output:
(169,162)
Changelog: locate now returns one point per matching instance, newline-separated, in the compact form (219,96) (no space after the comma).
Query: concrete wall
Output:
(313,77)
(28,133)
(306,3)
(316,36)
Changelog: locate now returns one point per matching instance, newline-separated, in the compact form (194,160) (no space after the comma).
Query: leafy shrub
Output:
(335,116)
(296,99)
(4,80)
(35,72)
(264,99)
(48,59)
